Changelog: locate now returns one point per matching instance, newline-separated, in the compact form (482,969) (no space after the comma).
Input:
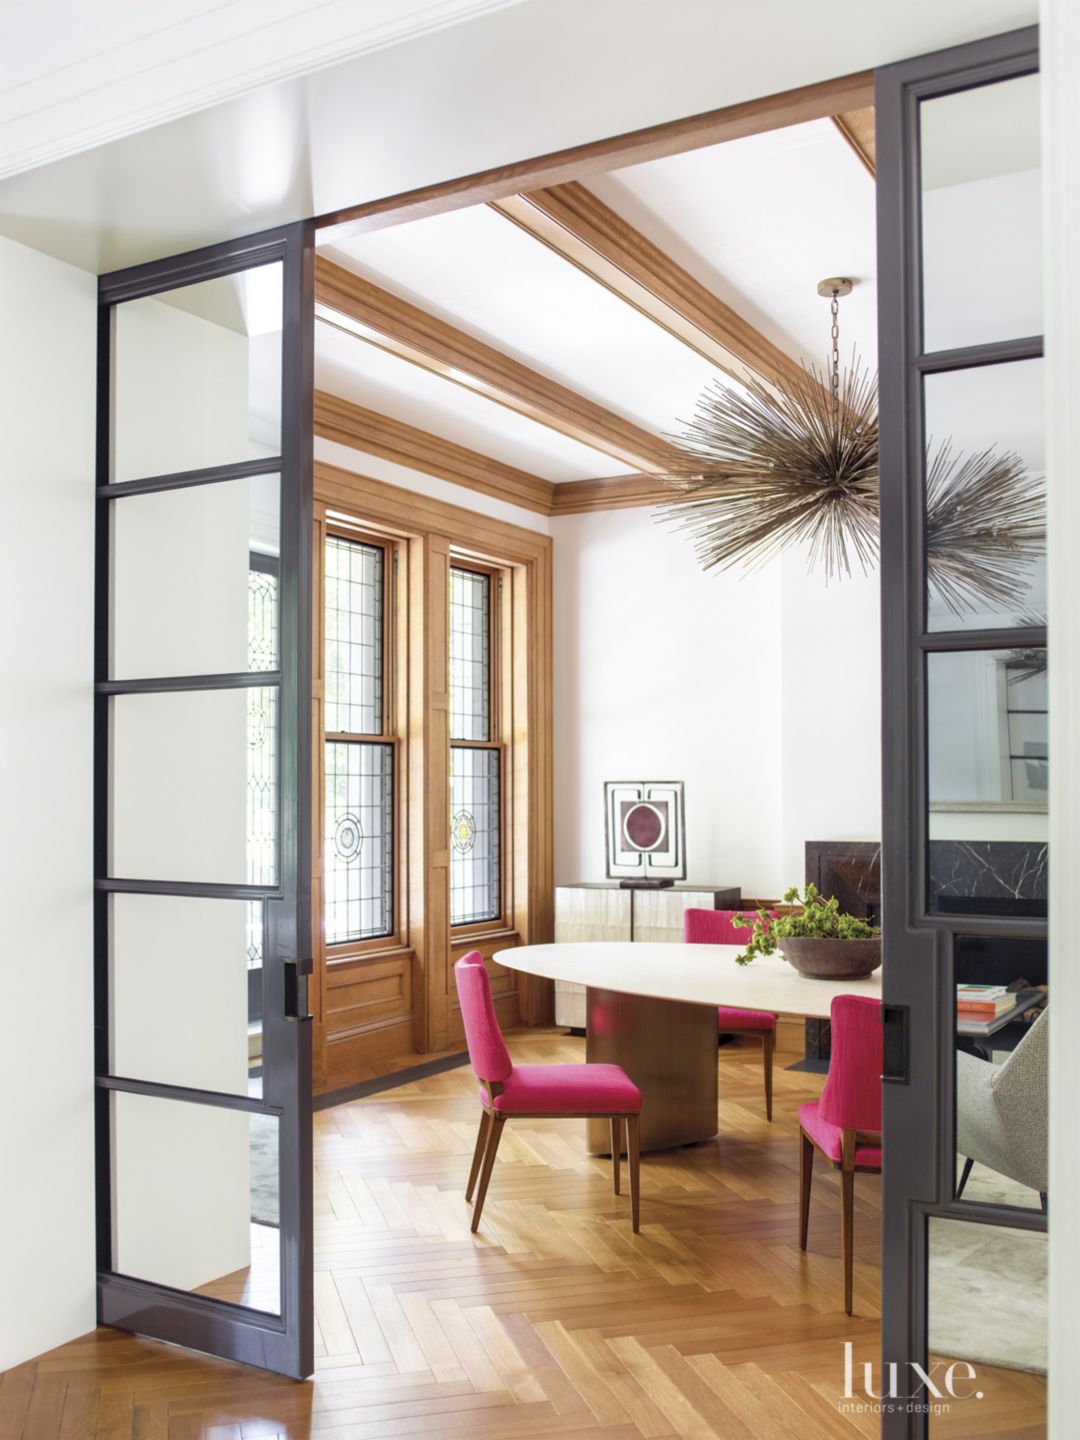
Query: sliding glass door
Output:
(965,735)
(203,802)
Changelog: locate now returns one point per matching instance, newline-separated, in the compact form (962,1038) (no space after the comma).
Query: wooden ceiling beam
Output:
(376,434)
(403,329)
(614,492)
(671,137)
(573,222)
(858,129)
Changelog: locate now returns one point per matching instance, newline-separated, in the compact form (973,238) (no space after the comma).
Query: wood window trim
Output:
(389,735)
(432,535)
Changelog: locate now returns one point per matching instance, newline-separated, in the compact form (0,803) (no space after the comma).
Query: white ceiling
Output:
(368,376)
(479,271)
(759,222)
(518,82)
(75,74)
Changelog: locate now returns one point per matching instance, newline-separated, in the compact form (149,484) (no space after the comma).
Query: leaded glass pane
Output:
(470,655)
(475,890)
(262,655)
(359,851)
(354,637)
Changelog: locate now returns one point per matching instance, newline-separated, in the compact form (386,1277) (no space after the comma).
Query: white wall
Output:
(761,692)
(1061,213)
(663,672)
(831,707)
(47,345)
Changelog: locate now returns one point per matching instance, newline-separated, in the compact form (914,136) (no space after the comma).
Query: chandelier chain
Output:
(834,308)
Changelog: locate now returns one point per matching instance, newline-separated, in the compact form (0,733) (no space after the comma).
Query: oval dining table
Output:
(651,1008)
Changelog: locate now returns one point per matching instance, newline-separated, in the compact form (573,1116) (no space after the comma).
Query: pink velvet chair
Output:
(540,1091)
(715,927)
(845,1124)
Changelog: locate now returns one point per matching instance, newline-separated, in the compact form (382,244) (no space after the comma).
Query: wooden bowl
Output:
(831,959)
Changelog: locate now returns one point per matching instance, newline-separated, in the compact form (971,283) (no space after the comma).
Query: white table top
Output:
(700,974)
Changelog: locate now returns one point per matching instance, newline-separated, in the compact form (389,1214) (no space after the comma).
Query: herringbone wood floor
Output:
(555,1320)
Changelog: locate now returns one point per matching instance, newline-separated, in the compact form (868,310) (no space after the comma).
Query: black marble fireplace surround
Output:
(967,877)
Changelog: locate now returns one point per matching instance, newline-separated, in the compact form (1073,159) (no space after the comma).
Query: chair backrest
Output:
(1024,1072)
(716,927)
(487,1048)
(852,1094)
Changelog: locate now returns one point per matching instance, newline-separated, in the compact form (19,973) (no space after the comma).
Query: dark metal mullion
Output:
(210,263)
(945,641)
(198,889)
(102,646)
(189,1094)
(976,357)
(919,970)
(1013,1217)
(222,1315)
(167,684)
(288,931)
(185,479)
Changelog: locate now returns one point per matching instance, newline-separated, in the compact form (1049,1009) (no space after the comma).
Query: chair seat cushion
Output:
(731,1019)
(828,1137)
(568,1090)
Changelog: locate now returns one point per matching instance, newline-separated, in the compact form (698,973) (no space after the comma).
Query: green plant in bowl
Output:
(818,919)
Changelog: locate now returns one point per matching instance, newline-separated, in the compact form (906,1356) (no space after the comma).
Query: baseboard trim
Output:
(391,1081)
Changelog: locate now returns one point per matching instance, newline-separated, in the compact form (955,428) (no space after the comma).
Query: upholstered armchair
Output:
(1001,1111)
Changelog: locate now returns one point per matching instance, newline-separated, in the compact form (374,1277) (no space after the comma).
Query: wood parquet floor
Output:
(555,1320)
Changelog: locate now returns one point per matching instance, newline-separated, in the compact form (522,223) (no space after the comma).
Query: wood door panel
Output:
(366,993)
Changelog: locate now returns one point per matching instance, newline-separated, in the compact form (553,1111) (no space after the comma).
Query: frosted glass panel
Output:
(982,239)
(196,1199)
(197,375)
(186,1003)
(184,601)
(194,786)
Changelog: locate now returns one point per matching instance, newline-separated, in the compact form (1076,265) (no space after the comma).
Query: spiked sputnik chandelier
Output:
(794,460)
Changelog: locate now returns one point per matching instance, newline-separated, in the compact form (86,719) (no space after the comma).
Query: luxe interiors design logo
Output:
(906,1387)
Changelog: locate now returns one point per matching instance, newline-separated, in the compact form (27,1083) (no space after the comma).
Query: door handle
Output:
(296,989)
(895,1059)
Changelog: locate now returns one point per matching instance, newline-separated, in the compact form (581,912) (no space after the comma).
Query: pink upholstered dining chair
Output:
(552,1092)
(845,1124)
(716,927)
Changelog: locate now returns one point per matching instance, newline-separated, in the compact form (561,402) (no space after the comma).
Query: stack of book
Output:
(980,1004)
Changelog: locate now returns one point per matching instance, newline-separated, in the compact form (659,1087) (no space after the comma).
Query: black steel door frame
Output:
(919,994)
(284,1342)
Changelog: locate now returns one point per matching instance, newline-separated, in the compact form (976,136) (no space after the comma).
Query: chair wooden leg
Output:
(478,1153)
(495,1129)
(633,1156)
(847,1214)
(616,1150)
(968,1163)
(806,1173)
(768,1045)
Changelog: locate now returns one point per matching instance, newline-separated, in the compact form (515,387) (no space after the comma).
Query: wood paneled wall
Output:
(379,1000)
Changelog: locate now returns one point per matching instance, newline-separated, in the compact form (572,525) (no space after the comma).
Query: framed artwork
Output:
(645,828)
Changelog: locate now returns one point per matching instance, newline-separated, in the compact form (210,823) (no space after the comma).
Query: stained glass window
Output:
(354,638)
(358,849)
(470,655)
(474,835)
(476,767)
(262,748)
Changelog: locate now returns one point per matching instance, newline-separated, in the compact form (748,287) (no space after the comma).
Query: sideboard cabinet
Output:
(604,911)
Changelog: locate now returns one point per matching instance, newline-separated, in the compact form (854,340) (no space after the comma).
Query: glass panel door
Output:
(967,769)
(202,819)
